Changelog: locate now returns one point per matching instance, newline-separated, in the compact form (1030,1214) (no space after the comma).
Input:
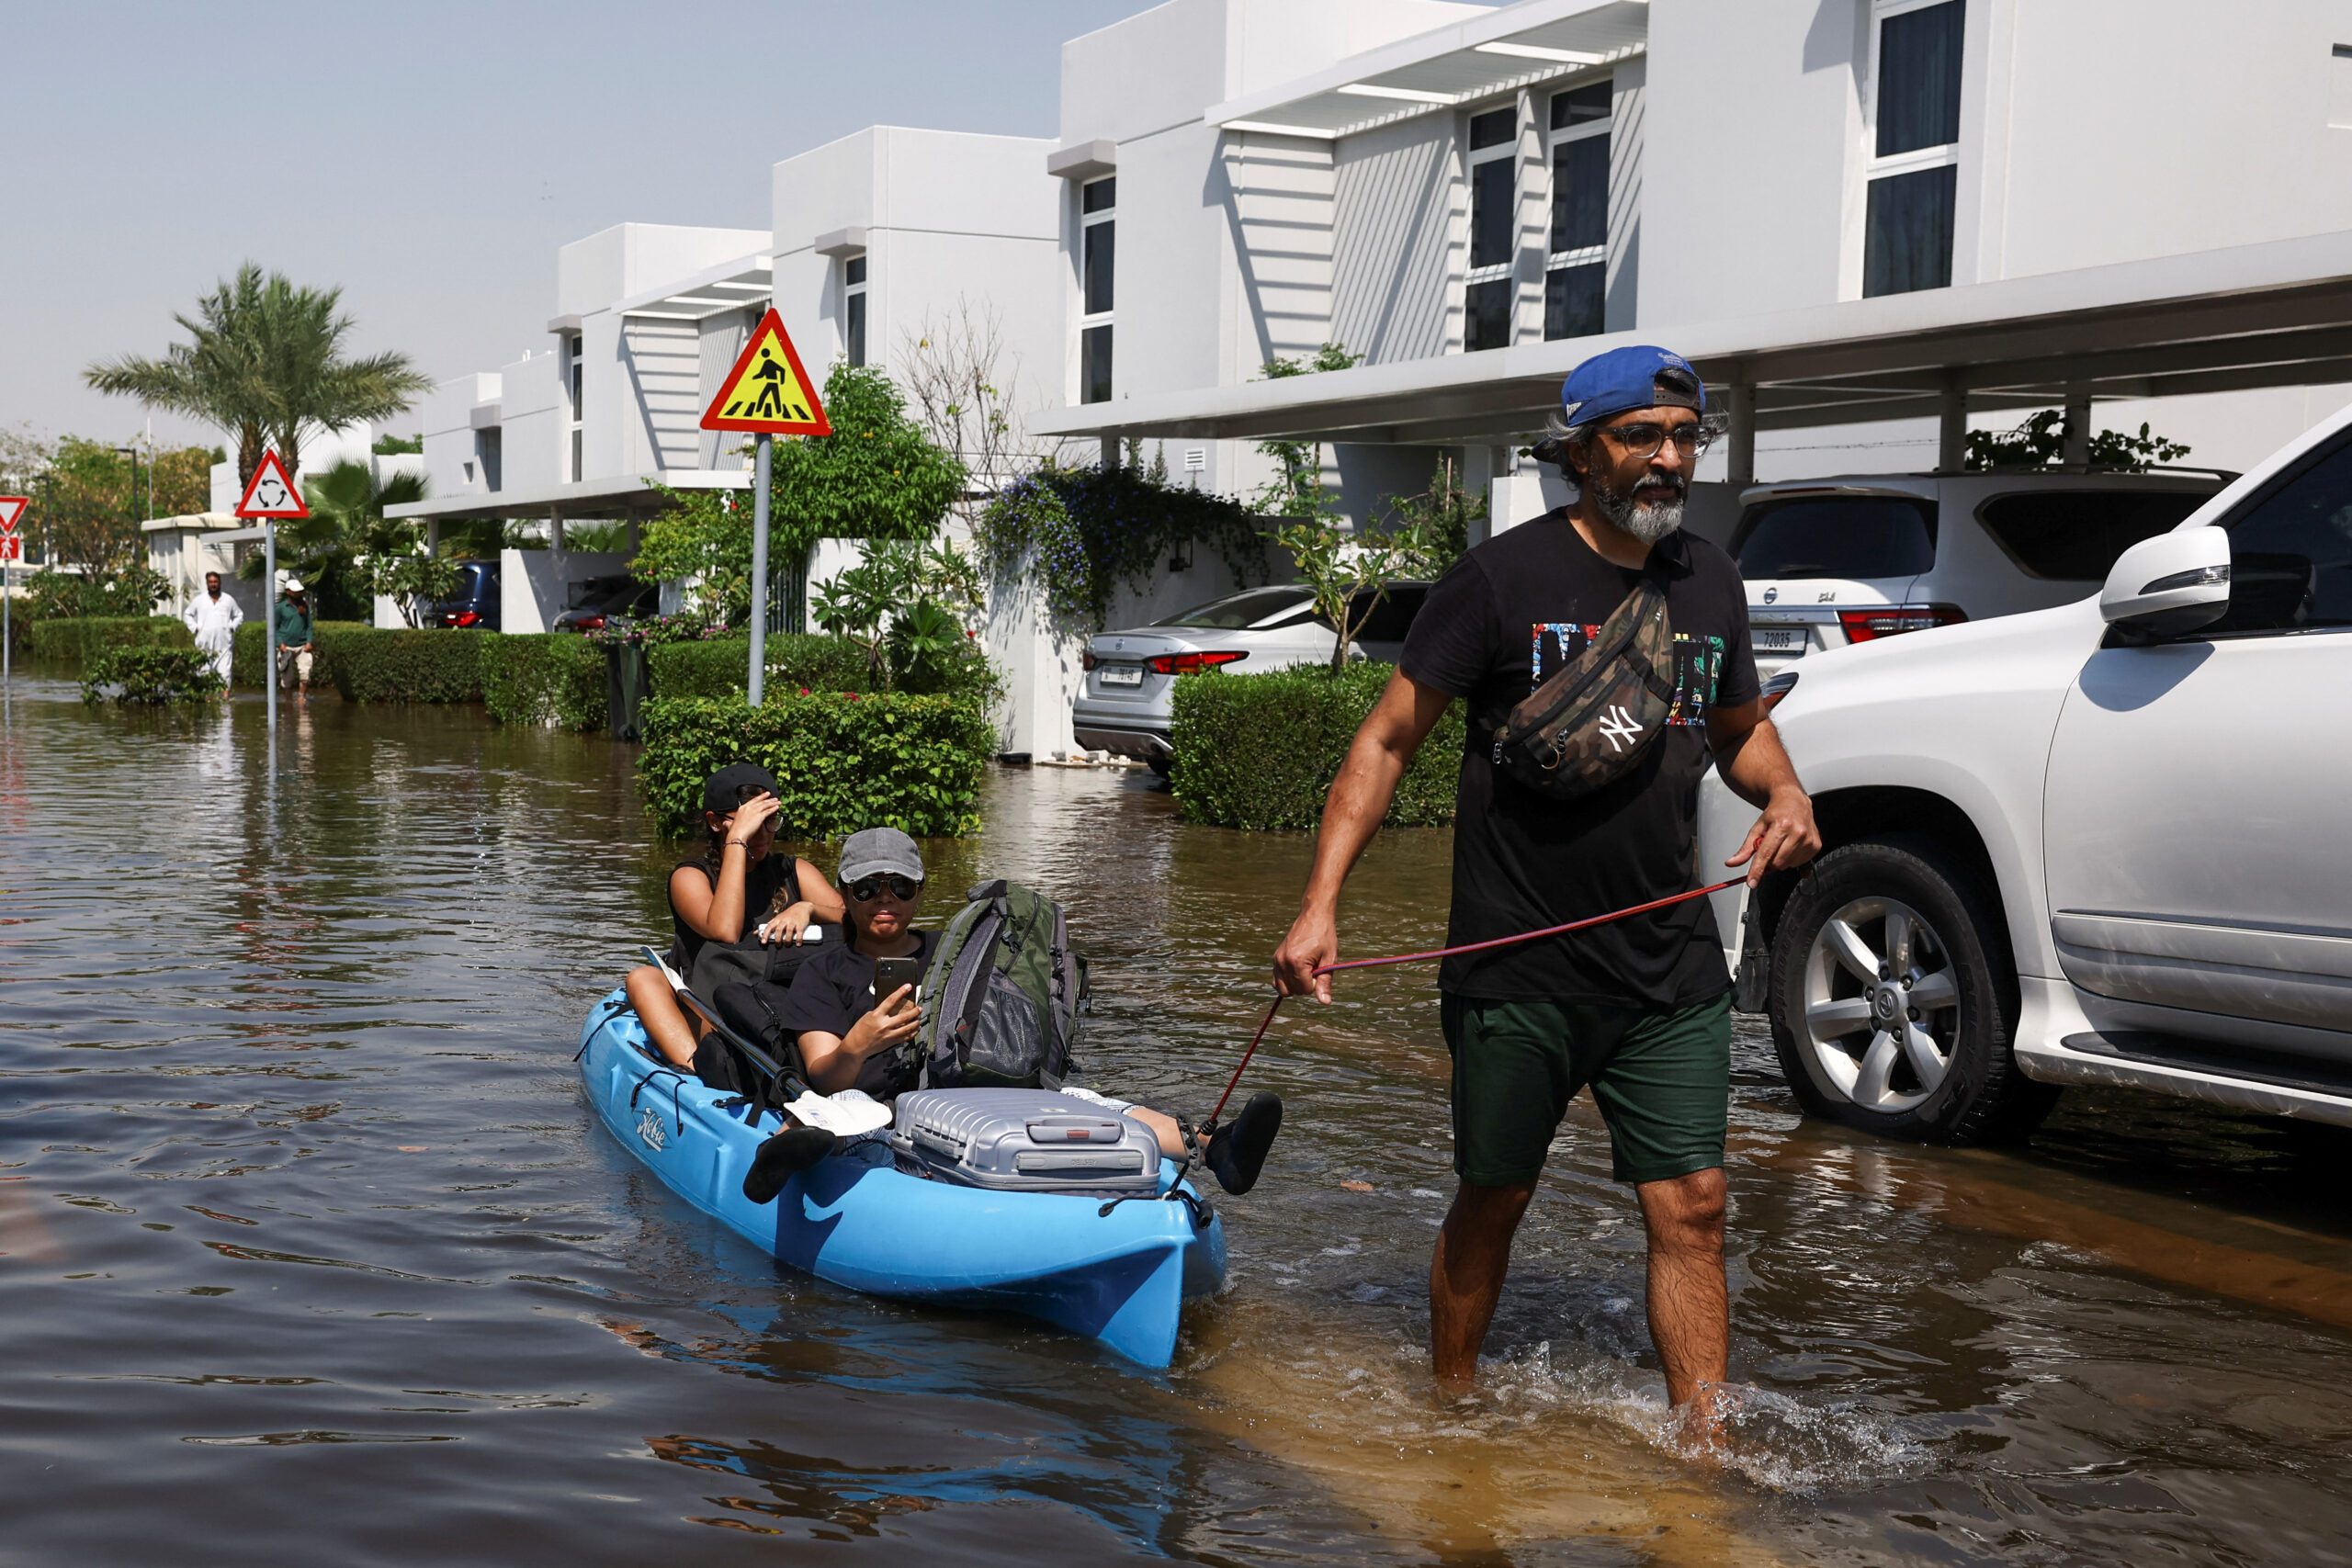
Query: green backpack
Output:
(1003,1009)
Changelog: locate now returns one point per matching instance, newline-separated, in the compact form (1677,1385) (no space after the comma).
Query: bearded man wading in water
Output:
(1639,1008)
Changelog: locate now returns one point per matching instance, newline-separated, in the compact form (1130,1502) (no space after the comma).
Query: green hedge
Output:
(845,761)
(719,668)
(149,677)
(1260,751)
(245,652)
(372,665)
(549,678)
(77,639)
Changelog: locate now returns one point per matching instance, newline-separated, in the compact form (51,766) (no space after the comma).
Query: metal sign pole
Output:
(757,685)
(269,628)
(8,582)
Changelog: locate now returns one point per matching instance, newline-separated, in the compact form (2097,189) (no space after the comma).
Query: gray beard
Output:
(1647,521)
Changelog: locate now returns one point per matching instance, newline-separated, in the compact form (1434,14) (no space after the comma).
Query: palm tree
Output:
(347,523)
(266,358)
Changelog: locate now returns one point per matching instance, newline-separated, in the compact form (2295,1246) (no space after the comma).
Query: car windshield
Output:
(1836,536)
(1238,611)
(469,580)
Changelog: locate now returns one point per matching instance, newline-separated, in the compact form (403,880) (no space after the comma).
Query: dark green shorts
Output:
(1662,1080)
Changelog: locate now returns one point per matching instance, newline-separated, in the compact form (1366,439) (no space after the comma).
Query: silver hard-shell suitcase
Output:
(1024,1140)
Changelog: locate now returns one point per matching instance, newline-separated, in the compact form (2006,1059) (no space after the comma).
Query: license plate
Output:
(1789,642)
(1120,674)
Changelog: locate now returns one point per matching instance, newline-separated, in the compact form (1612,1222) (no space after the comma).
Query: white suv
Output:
(2104,843)
(1830,563)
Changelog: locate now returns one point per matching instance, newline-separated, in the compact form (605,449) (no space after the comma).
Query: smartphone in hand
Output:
(889,973)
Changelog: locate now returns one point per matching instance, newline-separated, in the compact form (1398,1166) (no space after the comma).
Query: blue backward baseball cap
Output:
(1637,377)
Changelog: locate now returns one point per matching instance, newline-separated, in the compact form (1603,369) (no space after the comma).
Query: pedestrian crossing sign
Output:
(12,511)
(271,492)
(12,546)
(768,393)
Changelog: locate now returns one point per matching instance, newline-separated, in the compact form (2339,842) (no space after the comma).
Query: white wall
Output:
(534,586)
(948,216)
(1751,124)
(534,415)
(2150,127)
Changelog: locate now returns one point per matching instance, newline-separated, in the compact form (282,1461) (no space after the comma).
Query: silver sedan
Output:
(1124,703)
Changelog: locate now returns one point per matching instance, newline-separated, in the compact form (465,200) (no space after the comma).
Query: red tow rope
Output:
(1267,1022)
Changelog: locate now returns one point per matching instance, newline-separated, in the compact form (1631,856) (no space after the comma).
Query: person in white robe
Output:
(213,619)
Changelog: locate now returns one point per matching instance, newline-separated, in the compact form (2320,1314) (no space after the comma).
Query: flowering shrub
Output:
(1077,533)
(657,631)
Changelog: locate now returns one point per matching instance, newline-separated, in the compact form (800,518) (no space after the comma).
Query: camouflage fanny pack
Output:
(1592,720)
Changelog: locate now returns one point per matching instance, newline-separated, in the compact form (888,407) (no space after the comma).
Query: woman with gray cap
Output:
(735,888)
(849,1031)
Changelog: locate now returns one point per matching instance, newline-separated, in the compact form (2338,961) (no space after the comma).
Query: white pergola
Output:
(2274,314)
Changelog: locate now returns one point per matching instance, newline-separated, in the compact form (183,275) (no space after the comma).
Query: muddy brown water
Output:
(311,1249)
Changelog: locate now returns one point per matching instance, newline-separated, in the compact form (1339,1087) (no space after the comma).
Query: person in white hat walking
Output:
(294,633)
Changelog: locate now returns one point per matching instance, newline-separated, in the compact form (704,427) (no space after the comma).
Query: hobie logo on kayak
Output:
(649,1127)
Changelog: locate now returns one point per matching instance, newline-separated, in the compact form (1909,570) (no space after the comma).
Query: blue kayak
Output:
(856,1220)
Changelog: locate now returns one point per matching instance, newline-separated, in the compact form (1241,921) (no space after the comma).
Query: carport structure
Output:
(2274,315)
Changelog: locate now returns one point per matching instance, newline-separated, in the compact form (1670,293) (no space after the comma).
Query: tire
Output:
(1163,766)
(1920,1049)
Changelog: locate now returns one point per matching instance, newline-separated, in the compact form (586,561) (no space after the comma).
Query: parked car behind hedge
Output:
(1122,705)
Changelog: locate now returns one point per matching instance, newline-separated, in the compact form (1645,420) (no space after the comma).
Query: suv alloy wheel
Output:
(1893,1001)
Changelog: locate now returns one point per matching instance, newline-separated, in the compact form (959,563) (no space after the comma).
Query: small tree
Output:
(1441,516)
(877,475)
(961,381)
(1349,571)
(904,604)
(413,580)
(2041,440)
(703,540)
(1296,490)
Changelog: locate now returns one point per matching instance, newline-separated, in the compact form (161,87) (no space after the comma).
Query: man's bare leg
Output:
(1690,1305)
(1467,1275)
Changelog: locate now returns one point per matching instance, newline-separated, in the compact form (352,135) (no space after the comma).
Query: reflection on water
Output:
(313,1251)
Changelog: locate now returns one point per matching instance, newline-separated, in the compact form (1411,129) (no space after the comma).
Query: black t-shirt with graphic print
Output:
(1508,615)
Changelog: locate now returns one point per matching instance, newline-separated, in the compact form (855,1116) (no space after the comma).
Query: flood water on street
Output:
(313,1251)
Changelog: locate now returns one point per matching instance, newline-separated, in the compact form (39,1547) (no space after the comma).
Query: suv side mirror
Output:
(2170,584)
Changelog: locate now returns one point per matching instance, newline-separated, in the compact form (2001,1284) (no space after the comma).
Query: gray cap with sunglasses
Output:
(878,851)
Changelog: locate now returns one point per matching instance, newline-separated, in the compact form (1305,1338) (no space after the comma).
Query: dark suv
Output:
(474,603)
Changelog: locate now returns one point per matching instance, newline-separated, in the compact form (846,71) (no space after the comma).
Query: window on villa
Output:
(1914,175)
(1098,253)
(1576,270)
(573,354)
(854,309)
(1494,228)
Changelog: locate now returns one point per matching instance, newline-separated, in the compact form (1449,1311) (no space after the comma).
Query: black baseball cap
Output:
(724,791)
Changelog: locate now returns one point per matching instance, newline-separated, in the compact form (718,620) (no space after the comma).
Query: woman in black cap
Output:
(736,886)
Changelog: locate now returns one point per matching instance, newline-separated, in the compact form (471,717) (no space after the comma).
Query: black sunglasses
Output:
(868,888)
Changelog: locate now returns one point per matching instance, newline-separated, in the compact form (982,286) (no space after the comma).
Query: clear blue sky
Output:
(430,156)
